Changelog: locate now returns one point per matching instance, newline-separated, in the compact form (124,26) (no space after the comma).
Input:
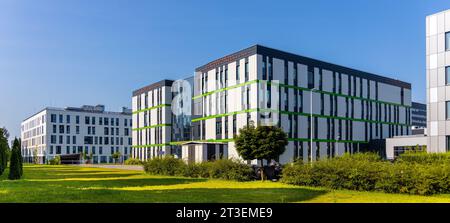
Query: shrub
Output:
(367,172)
(228,169)
(133,161)
(220,169)
(55,161)
(424,157)
(167,165)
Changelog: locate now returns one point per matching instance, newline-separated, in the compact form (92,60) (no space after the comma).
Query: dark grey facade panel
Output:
(266,51)
(420,106)
(153,86)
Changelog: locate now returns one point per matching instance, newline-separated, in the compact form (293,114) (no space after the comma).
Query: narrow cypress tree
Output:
(19,156)
(2,157)
(3,150)
(14,164)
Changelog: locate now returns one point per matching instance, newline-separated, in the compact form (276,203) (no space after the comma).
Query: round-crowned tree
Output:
(261,143)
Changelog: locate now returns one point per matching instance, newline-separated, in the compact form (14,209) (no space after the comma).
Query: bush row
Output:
(424,157)
(225,169)
(366,172)
(133,161)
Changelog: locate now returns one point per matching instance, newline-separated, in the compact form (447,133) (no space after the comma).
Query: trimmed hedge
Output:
(367,172)
(224,169)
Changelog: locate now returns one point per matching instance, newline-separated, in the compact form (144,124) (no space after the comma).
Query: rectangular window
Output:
(68,118)
(77,119)
(447,112)
(61,129)
(106,120)
(237,73)
(447,41)
(93,120)
(310,78)
(54,129)
(448,144)
(77,129)
(61,117)
(246,71)
(447,75)
(53,118)
(87,120)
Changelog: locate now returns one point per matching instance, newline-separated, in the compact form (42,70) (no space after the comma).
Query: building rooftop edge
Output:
(81,111)
(260,49)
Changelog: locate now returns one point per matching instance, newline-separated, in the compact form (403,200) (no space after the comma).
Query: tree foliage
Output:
(4,148)
(261,143)
(15,166)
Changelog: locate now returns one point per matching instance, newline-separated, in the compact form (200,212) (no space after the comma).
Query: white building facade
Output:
(438,81)
(350,108)
(72,131)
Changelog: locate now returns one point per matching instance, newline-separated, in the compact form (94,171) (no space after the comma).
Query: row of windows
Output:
(89,140)
(157,92)
(90,120)
(87,150)
(90,130)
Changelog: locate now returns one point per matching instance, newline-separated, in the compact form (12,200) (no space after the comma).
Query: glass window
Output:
(310,79)
(87,120)
(447,75)
(61,118)
(77,119)
(447,41)
(447,112)
(448,144)
(53,118)
(68,118)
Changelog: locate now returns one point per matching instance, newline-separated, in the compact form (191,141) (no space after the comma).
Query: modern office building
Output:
(437,136)
(418,118)
(69,132)
(350,108)
(438,80)
(155,127)
(418,115)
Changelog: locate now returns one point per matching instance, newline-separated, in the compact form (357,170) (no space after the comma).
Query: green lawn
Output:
(45,184)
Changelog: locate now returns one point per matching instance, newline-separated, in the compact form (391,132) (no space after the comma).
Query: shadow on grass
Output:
(202,195)
(103,182)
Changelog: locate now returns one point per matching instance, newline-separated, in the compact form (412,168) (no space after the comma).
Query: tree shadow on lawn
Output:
(110,183)
(205,195)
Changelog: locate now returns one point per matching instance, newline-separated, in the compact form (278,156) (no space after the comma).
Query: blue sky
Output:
(74,52)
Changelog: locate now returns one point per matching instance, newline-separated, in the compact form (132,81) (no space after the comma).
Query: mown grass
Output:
(70,184)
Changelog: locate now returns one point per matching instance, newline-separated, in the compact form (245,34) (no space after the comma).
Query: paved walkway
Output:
(122,167)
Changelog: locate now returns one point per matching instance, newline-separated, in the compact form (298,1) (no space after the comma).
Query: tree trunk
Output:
(262,170)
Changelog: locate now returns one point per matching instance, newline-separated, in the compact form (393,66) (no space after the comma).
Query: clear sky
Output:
(74,52)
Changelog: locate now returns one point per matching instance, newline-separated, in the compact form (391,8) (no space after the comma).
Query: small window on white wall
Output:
(447,109)
(447,41)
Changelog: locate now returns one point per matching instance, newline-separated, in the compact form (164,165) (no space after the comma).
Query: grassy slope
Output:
(76,184)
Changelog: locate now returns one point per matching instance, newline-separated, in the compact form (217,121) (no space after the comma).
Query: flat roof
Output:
(262,50)
(153,86)
(73,110)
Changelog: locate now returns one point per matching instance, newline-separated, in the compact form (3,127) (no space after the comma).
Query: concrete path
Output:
(122,167)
